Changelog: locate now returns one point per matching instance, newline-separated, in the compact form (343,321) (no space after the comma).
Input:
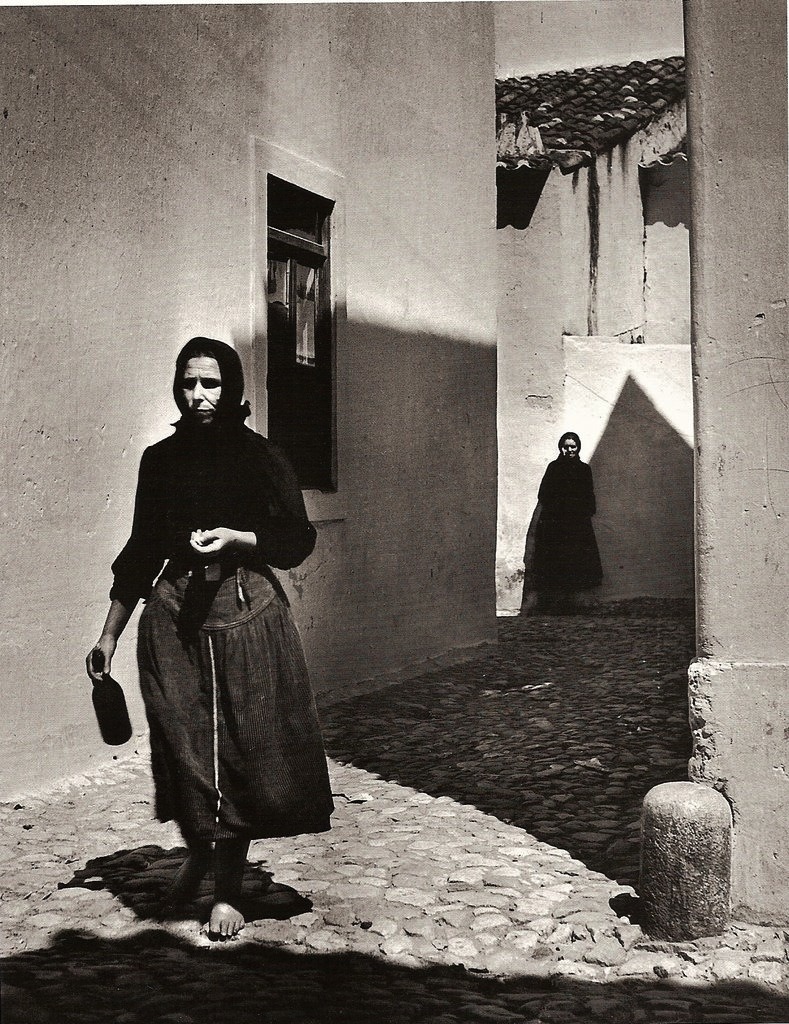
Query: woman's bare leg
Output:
(191,873)
(230,858)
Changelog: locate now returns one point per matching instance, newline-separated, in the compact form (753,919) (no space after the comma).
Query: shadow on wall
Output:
(643,477)
(517,194)
(402,568)
(665,193)
(642,470)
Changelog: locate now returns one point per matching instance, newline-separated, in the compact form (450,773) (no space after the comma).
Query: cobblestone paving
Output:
(479,867)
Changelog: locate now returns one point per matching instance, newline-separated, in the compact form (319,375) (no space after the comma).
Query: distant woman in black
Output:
(566,559)
(235,742)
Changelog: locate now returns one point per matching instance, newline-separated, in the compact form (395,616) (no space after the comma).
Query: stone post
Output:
(685,861)
(737,117)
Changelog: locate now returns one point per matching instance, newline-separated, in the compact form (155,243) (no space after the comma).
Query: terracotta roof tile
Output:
(565,118)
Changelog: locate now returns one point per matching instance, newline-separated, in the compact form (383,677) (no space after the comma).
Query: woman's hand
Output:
(99,659)
(117,617)
(213,542)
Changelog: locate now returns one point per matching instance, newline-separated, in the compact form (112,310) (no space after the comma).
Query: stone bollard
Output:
(685,861)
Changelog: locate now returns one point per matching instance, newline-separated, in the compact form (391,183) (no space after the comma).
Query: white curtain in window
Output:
(305,315)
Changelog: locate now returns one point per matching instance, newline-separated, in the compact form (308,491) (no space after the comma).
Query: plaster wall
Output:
(738,159)
(130,175)
(553,35)
(667,253)
(617,294)
(536,273)
(576,224)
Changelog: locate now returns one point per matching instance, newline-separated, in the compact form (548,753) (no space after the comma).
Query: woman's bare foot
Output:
(225,922)
(230,857)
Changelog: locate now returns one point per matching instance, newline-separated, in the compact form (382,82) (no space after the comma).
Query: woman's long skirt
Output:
(236,746)
(566,556)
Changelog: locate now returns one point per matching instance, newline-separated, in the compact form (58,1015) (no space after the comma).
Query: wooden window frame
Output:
(325,504)
(301,393)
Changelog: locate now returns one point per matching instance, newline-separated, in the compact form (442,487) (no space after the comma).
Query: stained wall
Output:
(133,148)
(666,194)
(533,269)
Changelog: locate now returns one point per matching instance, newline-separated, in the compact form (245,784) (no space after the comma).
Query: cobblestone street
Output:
(479,869)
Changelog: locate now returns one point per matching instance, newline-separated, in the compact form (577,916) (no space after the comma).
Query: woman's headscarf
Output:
(229,407)
(573,435)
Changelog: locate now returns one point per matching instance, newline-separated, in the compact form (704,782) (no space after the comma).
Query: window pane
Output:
(300,333)
(293,209)
(281,342)
(278,285)
(305,315)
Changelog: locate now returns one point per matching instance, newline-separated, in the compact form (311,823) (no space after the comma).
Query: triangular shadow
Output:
(643,478)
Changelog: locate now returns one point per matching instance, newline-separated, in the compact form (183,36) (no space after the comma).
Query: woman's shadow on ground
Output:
(141,878)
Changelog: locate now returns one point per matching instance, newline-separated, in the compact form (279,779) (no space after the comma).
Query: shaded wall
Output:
(740,251)
(130,181)
(632,407)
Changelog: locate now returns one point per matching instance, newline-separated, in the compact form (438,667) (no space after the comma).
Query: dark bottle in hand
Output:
(109,704)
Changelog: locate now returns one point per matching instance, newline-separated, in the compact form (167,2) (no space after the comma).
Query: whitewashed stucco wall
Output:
(618,298)
(533,36)
(128,221)
(538,279)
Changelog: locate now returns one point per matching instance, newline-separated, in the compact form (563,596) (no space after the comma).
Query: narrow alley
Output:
(560,730)
(480,866)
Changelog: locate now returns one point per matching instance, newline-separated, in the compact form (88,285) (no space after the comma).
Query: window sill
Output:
(324,508)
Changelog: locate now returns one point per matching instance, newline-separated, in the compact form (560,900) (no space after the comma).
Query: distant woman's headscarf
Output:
(570,434)
(567,488)
(230,408)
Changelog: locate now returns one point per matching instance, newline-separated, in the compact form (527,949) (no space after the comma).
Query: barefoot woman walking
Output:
(235,741)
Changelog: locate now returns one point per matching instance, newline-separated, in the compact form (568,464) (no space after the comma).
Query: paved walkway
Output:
(479,867)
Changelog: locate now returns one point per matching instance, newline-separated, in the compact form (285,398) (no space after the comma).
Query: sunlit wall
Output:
(134,143)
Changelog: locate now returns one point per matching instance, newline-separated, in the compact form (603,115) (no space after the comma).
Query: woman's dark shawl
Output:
(565,552)
(206,477)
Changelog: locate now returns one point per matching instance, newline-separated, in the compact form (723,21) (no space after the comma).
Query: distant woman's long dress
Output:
(566,557)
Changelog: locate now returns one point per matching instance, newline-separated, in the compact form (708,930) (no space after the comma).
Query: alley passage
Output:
(561,729)
(474,872)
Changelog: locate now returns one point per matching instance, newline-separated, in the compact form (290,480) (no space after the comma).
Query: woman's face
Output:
(202,387)
(569,447)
